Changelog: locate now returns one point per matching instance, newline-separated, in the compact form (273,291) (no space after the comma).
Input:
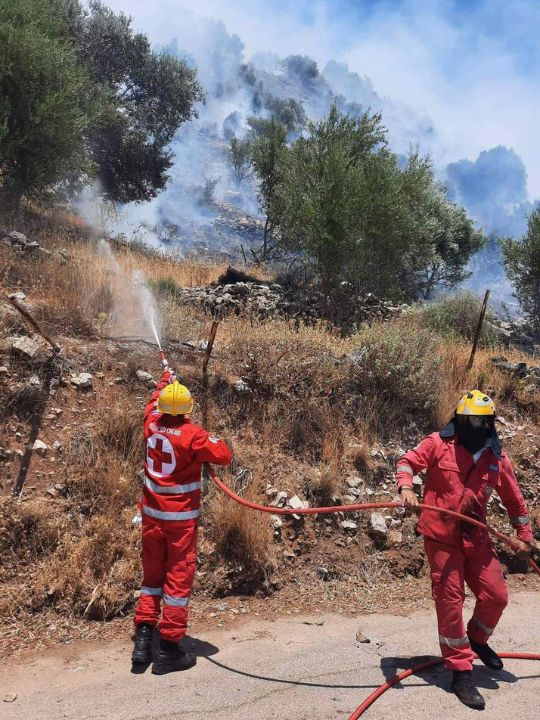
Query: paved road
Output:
(284,669)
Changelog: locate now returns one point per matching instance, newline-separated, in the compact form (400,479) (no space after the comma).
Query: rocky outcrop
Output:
(19,242)
(520,370)
(348,308)
(516,332)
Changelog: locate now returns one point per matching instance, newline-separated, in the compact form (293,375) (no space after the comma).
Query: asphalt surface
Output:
(284,669)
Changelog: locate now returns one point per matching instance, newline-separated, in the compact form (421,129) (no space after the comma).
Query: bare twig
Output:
(208,353)
(33,322)
(478,331)
(206,359)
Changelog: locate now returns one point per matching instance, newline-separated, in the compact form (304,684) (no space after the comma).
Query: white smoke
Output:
(418,55)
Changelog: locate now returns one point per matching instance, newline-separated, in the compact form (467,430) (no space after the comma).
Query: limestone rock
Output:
(30,347)
(146,378)
(82,380)
(296,503)
(377,528)
(280,499)
(40,448)
(241,387)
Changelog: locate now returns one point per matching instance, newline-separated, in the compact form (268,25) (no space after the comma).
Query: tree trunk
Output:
(11,203)
(265,240)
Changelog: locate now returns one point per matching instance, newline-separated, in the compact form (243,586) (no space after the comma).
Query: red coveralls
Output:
(176,448)
(458,552)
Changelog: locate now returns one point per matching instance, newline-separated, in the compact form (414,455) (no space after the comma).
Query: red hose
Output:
(361,506)
(360,710)
(372,506)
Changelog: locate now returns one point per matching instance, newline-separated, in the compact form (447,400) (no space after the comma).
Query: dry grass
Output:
(244,540)
(505,389)
(311,417)
(30,531)
(186,272)
(93,573)
(321,488)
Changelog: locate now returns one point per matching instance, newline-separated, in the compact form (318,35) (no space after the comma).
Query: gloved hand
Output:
(470,505)
(164,363)
(409,499)
(523,550)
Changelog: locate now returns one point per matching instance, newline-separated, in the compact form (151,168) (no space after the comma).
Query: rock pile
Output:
(32,348)
(517,332)
(230,221)
(264,300)
(19,242)
(520,370)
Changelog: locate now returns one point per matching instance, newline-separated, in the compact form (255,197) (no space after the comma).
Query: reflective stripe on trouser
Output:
(451,566)
(176,601)
(151,590)
(169,561)
(454,642)
(481,627)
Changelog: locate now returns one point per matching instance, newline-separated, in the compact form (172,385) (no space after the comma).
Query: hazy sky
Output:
(472,66)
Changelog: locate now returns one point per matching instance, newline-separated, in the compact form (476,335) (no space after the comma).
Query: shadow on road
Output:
(439,677)
(303,683)
(201,648)
(392,666)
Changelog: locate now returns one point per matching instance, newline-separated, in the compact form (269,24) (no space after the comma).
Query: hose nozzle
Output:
(165,366)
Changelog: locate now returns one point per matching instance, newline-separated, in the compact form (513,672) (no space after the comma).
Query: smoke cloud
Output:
(493,188)
(472,68)
(460,80)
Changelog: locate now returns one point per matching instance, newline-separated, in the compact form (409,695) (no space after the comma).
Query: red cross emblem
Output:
(160,456)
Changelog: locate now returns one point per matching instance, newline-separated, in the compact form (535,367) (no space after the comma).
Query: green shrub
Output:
(522,262)
(397,371)
(167,286)
(457,316)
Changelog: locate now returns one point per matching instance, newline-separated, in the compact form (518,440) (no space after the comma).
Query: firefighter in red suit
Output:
(464,464)
(176,449)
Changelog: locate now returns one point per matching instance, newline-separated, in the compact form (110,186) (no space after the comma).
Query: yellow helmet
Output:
(175,399)
(476,403)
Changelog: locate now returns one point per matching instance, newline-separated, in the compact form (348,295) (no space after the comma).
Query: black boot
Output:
(142,649)
(171,657)
(488,656)
(465,690)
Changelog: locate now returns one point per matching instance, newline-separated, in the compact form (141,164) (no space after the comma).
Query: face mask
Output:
(472,438)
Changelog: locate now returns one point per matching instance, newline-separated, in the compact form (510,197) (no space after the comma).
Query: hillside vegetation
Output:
(317,415)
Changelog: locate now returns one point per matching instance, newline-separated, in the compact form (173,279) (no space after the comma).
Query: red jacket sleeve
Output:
(210,449)
(417,459)
(159,387)
(513,501)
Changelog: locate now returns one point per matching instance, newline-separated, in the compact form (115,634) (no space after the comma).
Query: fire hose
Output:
(513,544)
(510,542)
(373,506)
